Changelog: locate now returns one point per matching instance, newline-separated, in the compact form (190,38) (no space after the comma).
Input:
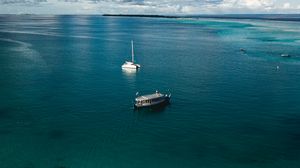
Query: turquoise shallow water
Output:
(66,103)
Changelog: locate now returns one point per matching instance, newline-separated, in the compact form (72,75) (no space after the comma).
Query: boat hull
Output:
(285,55)
(130,66)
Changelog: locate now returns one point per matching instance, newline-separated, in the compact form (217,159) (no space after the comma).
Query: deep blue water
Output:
(66,103)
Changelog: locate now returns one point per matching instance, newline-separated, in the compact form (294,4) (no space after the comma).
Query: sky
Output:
(167,7)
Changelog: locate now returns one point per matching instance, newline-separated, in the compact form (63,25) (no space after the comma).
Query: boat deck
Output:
(150,96)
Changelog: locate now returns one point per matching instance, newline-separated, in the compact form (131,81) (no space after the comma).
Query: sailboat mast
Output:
(132,52)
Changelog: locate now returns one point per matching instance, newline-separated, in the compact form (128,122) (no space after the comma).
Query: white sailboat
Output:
(131,64)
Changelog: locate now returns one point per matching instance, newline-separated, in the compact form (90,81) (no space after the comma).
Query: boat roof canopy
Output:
(149,97)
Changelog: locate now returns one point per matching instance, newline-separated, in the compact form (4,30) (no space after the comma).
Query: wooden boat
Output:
(154,99)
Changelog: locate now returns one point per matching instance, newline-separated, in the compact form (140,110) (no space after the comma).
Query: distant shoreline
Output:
(274,17)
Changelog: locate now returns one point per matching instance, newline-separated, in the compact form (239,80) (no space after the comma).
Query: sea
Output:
(65,102)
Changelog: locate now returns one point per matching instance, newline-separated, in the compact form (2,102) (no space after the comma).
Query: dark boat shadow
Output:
(153,110)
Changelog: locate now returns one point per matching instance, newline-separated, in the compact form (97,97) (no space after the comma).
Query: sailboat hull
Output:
(130,66)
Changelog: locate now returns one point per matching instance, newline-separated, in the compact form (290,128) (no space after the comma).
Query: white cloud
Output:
(148,6)
(286,5)
(248,4)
